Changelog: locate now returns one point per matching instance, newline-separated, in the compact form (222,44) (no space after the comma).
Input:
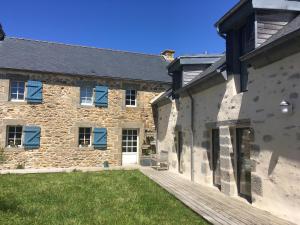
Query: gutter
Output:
(193,131)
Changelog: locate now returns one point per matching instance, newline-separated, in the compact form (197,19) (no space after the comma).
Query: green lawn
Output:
(109,197)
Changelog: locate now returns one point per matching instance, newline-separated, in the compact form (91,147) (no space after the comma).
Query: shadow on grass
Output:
(10,205)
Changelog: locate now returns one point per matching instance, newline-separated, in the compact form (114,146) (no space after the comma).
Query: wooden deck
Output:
(211,204)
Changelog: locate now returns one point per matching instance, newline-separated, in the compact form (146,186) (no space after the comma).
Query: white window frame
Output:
(17,93)
(128,97)
(127,143)
(15,137)
(84,136)
(85,97)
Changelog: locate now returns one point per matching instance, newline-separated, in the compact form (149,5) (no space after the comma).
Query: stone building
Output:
(66,106)
(235,126)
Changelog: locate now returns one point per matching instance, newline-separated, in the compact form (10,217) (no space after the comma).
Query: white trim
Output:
(85,103)
(130,100)
(130,156)
(17,93)
(14,138)
(84,139)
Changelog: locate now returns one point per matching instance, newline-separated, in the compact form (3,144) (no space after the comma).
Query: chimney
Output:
(2,34)
(168,54)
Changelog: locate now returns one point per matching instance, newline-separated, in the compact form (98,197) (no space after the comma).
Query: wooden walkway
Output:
(211,204)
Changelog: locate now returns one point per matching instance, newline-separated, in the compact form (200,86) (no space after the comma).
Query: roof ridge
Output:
(84,46)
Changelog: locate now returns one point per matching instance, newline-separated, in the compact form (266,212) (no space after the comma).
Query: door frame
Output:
(238,164)
(138,145)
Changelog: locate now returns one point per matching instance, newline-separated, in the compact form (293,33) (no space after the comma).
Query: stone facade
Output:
(60,116)
(273,143)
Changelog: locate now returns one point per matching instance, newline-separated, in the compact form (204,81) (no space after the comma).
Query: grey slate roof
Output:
(194,60)
(23,54)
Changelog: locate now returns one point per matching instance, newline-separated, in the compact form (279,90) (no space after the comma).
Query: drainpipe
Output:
(192,139)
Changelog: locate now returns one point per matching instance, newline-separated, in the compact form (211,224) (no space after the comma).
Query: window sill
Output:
(88,148)
(7,148)
(17,102)
(87,105)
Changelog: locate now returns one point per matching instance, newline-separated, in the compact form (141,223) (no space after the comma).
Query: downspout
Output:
(192,137)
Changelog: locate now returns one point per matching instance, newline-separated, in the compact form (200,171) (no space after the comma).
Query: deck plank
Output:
(211,204)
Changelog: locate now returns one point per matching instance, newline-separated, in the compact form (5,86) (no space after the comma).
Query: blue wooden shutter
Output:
(100,138)
(34,91)
(101,96)
(32,137)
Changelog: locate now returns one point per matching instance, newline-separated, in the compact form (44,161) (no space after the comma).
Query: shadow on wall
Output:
(162,115)
(208,99)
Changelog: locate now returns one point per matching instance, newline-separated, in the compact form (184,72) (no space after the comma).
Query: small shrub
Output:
(20,167)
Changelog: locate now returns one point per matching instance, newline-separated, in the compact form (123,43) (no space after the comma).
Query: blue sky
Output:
(147,26)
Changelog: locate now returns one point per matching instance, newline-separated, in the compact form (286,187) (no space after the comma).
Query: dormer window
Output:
(238,43)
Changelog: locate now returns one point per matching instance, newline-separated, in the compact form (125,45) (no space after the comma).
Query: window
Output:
(86,96)
(129,140)
(131,98)
(17,89)
(85,137)
(14,136)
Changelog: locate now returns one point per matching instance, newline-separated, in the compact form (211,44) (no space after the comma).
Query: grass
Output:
(109,197)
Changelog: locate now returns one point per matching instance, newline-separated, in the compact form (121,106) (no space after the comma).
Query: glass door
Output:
(129,146)
(244,163)
(216,158)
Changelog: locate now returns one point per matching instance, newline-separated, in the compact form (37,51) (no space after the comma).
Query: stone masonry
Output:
(60,116)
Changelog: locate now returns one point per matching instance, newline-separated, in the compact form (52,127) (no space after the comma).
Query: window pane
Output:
(21,96)
(11,135)
(13,96)
(18,142)
(86,95)
(132,92)
(81,130)
(88,130)
(11,129)
(14,135)
(18,129)
(21,84)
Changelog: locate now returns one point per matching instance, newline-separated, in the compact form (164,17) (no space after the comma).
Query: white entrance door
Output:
(129,146)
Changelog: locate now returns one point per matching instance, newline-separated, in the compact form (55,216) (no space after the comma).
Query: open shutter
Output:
(100,138)
(32,137)
(34,91)
(101,96)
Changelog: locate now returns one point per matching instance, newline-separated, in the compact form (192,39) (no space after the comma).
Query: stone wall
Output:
(275,142)
(276,148)
(60,115)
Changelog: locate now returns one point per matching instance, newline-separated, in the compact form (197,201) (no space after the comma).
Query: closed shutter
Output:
(32,137)
(100,138)
(34,91)
(101,96)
